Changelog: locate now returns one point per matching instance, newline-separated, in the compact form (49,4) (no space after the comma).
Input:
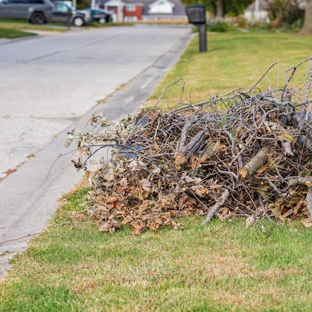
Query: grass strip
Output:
(222,267)
(25,25)
(12,33)
(234,60)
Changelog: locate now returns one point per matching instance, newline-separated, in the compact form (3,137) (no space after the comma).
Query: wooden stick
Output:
(217,206)
(309,203)
(307,181)
(185,129)
(191,148)
(255,163)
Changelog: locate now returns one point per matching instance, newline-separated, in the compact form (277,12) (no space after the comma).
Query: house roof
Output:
(157,2)
(114,2)
(263,6)
(178,8)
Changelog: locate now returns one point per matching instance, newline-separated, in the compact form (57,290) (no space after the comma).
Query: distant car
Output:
(35,11)
(101,16)
(63,11)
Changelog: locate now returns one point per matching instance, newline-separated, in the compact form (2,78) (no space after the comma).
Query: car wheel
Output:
(78,21)
(38,18)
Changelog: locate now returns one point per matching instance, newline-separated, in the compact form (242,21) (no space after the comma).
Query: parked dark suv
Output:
(62,12)
(35,11)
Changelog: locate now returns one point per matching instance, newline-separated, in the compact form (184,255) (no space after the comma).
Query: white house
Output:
(258,12)
(136,10)
(161,7)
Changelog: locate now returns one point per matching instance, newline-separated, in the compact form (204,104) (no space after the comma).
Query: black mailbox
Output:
(196,15)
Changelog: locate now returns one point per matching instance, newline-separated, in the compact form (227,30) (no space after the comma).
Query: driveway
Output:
(49,84)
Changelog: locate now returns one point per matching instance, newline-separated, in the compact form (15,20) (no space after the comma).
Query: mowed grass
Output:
(220,267)
(11,29)
(12,33)
(235,60)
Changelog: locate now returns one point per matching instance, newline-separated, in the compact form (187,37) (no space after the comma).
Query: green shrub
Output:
(219,27)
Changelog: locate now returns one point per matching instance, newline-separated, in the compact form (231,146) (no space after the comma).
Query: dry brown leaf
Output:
(308,183)
(156,170)
(138,227)
(200,190)
(192,161)
(146,185)
(104,226)
(179,159)
(192,180)
(262,170)
(133,164)
(307,222)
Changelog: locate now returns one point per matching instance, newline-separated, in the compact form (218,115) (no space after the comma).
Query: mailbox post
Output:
(196,15)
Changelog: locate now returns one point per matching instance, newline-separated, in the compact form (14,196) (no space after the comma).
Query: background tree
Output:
(82,4)
(285,13)
(220,8)
(307,26)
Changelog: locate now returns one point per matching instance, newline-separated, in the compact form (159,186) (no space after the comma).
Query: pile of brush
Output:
(246,154)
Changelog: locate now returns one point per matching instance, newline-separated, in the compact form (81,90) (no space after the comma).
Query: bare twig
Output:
(217,206)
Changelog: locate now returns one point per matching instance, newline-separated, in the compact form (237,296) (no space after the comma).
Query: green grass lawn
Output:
(11,29)
(221,267)
(12,33)
(234,60)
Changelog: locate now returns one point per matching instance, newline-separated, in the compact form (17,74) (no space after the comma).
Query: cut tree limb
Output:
(306,181)
(192,147)
(255,163)
(217,206)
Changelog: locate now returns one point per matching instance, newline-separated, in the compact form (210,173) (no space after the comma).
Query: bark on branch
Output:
(306,181)
(185,129)
(192,147)
(255,163)
(217,206)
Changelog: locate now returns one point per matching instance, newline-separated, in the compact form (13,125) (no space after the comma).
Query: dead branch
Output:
(255,163)
(191,148)
(217,206)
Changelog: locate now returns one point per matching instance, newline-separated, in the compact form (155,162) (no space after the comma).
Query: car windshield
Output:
(62,7)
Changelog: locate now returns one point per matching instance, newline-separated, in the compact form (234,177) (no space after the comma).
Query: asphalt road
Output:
(48,85)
